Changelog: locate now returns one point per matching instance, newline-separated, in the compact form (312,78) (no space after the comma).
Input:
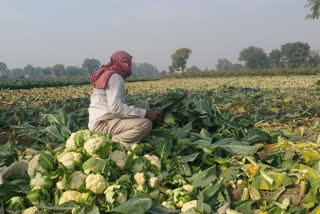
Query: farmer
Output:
(108,111)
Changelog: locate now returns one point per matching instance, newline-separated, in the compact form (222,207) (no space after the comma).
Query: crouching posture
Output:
(108,111)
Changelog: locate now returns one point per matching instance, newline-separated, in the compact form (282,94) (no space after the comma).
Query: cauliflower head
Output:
(40,180)
(47,163)
(122,197)
(119,158)
(96,183)
(188,188)
(77,179)
(59,185)
(71,144)
(193,204)
(96,145)
(139,178)
(30,210)
(69,196)
(154,182)
(69,159)
(154,160)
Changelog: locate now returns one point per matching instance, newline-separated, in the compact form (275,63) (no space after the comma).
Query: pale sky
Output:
(44,33)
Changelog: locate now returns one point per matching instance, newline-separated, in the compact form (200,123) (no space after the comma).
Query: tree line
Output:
(60,70)
(291,55)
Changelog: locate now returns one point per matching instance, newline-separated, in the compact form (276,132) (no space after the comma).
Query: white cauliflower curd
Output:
(119,158)
(93,144)
(96,183)
(139,178)
(30,210)
(69,196)
(77,179)
(70,144)
(154,160)
(193,204)
(154,182)
(188,188)
(70,159)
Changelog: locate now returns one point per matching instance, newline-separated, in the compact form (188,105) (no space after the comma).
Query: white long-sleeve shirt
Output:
(110,102)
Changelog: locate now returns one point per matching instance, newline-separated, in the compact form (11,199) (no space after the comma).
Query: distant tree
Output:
(275,58)
(144,69)
(179,58)
(171,69)
(314,6)
(224,65)
(3,70)
(193,68)
(314,60)
(58,70)
(29,71)
(91,65)
(295,54)
(74,71)
(254,58)
(237,67)
(17,73)
(46,71)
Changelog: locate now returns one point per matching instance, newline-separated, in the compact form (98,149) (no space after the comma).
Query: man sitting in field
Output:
(108,111)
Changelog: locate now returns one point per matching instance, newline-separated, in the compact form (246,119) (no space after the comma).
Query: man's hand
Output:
(153,115)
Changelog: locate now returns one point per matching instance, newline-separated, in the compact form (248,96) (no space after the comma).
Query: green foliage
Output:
(295,55)
(193,68)
(91,65)
(179,58)
(254,58)
(248,73)
(314,6)
(275,58)
(57,82)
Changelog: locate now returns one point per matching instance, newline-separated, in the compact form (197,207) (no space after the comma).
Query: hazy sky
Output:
(44,33)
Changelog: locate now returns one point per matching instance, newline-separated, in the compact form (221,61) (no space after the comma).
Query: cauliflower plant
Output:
(77,179)
(30,210)
(154,182)
(47,161)
(188,187)
(71,144)
(69,159)
(154,160)
(116,193)
(119,158)
(96,183)
(69,196)
(59,184)
(139,178)
(94,144)
(40,180)
(193,204)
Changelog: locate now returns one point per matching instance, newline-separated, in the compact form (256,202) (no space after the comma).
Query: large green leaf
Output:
(96,165)
(139,204)
(189,158)
(257,136)
(54,131)
(163,150)
(204,178)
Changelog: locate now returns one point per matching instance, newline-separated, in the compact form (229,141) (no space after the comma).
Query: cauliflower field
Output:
(234,145)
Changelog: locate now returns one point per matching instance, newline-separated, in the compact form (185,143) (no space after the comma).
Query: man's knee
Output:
(145,125)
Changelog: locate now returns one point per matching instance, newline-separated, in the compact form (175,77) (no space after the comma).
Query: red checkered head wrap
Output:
(120,63)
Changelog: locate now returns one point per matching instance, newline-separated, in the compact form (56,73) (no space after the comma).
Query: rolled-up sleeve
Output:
(116,94)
